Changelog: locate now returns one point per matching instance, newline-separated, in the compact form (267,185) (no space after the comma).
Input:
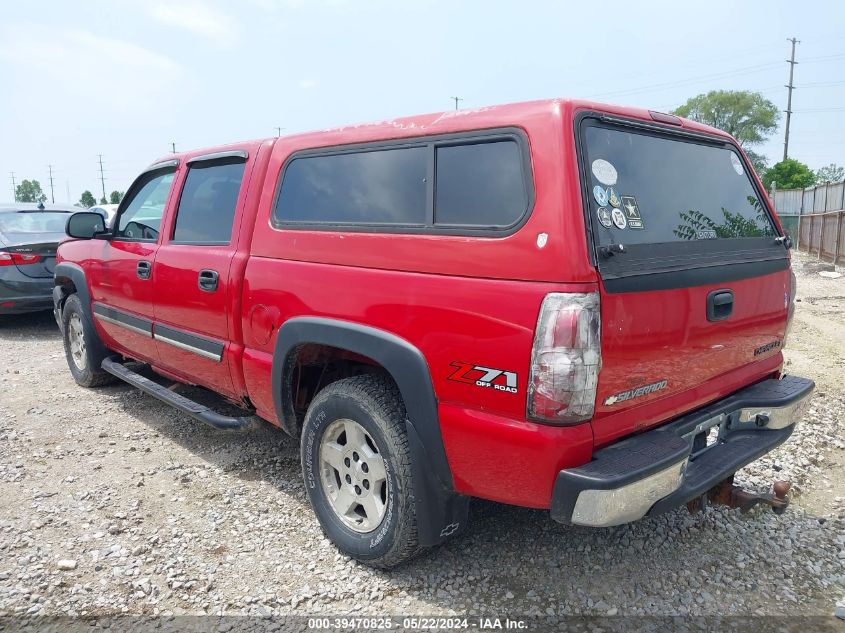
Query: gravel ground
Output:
(113,503)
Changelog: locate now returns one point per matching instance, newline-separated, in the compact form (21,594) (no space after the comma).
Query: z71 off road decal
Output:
(636,393)
(497,379)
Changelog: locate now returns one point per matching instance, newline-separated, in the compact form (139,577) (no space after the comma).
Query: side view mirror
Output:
(85,225)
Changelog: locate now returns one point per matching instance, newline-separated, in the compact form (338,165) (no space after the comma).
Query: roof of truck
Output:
(452,121)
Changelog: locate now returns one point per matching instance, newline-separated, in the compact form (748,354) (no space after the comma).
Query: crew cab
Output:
(556,304)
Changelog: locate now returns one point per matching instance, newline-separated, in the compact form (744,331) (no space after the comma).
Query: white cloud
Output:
(78,63)
(308,84)
(198,18)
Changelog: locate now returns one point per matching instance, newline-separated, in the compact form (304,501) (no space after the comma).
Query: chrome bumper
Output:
(673,464)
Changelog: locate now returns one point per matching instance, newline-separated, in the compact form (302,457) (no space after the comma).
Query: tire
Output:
(84,350)
(386,534)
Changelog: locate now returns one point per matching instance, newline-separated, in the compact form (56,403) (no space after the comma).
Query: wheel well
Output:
(310,367)
(67,286)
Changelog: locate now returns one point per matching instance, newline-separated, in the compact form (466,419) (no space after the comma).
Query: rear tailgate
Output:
(695,283)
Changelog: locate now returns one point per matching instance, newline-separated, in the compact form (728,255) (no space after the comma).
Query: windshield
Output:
(33,222)
(649,189)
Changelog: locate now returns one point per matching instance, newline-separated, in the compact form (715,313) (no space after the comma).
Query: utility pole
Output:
(456,99)
(791,61)
(14,187)
(102,177)
(52,192)
(278,130)
(173,146)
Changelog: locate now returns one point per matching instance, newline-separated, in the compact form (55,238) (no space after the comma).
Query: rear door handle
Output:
(720,305)
(144,269)
(208,280)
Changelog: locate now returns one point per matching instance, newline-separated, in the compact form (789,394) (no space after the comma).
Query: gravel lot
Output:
(113,503)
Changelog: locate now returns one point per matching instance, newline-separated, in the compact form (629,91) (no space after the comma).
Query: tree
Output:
(103,200)
(116,197)
(747,116)
(830,173)
(789,174)
(29,191)
(87,199)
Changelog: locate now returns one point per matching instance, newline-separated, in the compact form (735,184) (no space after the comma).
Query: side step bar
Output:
(185,405)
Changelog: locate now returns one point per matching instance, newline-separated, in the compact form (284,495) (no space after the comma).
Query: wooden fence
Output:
(824,235)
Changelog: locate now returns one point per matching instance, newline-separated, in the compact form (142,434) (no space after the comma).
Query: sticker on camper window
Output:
(604,172)
(613,198)
(600,194)
(737,164)
(619,218)
(632,212)
(629,204)
(604,217)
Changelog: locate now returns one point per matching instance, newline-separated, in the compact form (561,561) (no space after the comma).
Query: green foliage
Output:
(87,199)
(29,191)
(830,173)
(103,200)
(747,116)
(696,225)
(116,197)
(789,174)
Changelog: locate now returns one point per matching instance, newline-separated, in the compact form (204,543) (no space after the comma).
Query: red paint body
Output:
(469,299)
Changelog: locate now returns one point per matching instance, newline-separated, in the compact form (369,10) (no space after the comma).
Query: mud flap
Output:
(440,512)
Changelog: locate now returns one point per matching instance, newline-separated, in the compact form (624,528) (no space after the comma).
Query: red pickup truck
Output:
(556,304)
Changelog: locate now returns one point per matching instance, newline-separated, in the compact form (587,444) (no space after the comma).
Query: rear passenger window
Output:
(480,185)
(437,184)
(207,204)
(374,187)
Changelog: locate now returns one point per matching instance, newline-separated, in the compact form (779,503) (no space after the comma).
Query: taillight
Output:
(18,259)
(565,359)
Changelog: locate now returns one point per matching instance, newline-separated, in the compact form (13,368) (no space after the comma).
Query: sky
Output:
(124,79)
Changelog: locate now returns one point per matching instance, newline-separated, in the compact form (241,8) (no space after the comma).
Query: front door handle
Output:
(144,269)
(720,305)
(208,280)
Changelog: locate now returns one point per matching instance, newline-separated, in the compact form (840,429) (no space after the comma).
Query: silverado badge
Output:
(630,394)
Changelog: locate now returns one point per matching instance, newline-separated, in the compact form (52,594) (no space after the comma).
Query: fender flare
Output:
(440,511)
(73,272)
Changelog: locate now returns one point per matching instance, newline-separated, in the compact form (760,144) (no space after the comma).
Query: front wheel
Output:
(357,467)
(83,348)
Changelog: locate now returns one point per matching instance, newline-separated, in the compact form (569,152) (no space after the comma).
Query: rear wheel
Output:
(83,348)
(357,467)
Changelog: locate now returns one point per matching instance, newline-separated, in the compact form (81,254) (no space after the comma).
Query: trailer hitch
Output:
(726,493)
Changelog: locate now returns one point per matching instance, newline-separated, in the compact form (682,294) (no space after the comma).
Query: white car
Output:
(108,211)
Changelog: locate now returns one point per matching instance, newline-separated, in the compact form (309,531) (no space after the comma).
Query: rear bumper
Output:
(20,294)
(661,469)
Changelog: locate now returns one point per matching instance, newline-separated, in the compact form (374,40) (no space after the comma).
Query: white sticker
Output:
(604,172)
(619,218)
(542,239)
(737,164)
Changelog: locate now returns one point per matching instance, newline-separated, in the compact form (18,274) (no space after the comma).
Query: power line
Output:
(672,84)
(102,176)
(52,192)
(791,87)
(821,110)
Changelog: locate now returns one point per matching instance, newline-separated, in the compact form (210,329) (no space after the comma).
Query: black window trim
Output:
(582,121)
(241,155)
(431,142)
(167,166)
(235,153)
